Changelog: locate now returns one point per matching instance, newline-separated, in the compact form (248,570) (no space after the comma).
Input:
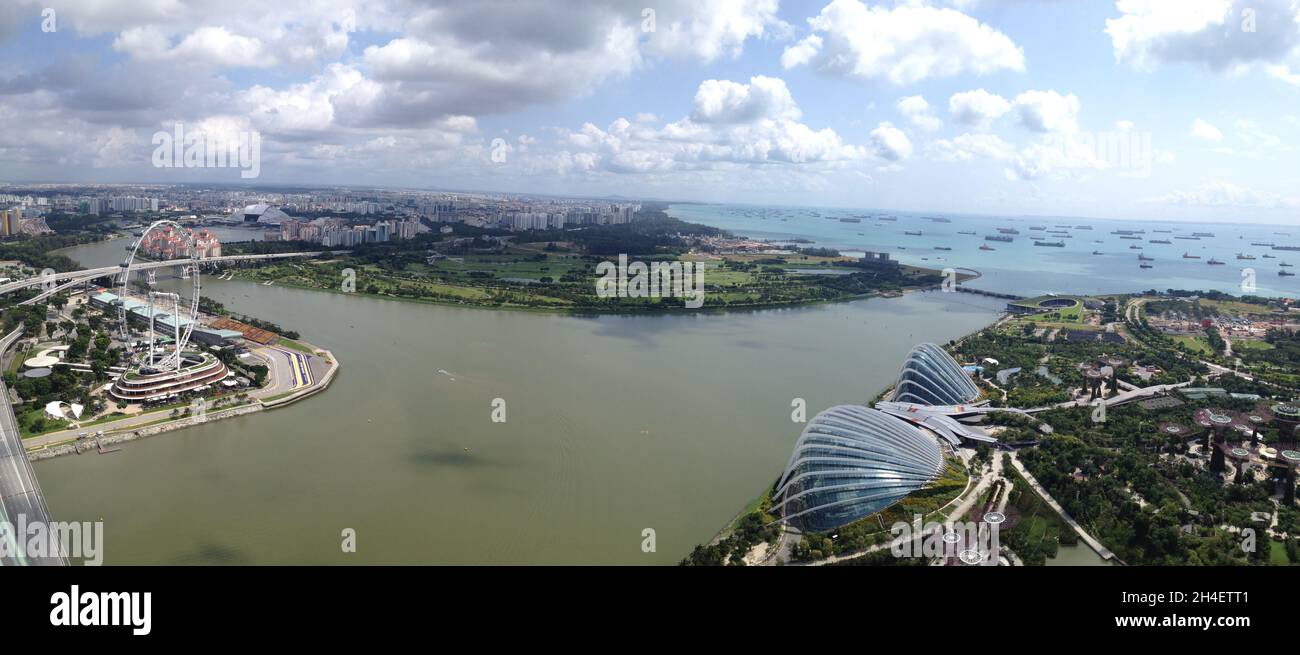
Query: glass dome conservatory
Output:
(932,377)
(851,462)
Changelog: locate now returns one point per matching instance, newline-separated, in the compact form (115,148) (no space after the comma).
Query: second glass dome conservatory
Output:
(932,377)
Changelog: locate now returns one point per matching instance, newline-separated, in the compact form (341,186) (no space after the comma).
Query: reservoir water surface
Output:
(614,424)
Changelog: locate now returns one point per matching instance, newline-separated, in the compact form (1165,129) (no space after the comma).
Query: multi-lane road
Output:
(21,500)
(60,281)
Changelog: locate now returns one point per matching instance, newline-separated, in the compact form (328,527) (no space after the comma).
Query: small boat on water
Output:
(1050,244)
(1145,266)
(1135,247)
(1284,264)
(1286,274)
(1214,262)
(1244,256)
(1163,241)
(987,247)
(942,248)
(1144,258)
(912,234)
(970,233)
(1268,256)
(1097,252)
(1188,255)
(850,220)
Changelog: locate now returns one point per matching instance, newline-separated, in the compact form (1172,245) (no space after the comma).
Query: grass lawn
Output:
(1193,344)
(294,345)
(1277,553)
(1251,344)
(1236,308)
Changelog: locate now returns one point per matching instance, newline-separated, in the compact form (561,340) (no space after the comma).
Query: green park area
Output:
(558,270)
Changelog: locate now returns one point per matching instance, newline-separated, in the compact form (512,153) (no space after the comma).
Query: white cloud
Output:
(708,31)
(966,147)
(904,44)
(1058,156)
(916,110)
(978,107)
(1219,35)
(1255,139)
(731,124)
(724,101)
(1206,132)
(1218,193)
(1048,111)
(889,143)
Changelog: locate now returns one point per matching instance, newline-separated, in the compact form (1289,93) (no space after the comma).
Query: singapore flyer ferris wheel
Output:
(183,315)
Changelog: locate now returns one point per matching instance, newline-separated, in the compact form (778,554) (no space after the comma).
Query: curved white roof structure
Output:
(261,213)
(932,377)
(851,462)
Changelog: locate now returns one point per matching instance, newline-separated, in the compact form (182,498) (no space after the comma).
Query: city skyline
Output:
(971,109)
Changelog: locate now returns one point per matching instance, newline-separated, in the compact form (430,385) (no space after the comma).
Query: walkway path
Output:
(1051,502)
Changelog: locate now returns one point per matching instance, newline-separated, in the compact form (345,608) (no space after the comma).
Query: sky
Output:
(1143,109)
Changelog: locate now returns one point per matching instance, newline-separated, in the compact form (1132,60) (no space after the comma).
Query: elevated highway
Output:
(20,493)
(68,279)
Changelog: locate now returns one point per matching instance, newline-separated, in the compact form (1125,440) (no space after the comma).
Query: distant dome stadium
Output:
(261,214)
(931,377)
(851,462)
